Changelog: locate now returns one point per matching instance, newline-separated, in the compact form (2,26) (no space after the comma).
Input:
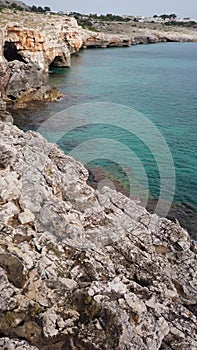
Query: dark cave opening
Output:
(58,61)
(11,53)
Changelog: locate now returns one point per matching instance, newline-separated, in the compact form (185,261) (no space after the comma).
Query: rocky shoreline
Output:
(30,44)
(81,269)
(181,212)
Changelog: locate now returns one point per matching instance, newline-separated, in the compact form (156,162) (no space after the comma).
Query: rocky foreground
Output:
(32,43)
(80,269)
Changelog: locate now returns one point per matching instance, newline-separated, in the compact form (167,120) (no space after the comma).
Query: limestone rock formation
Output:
(26,53)
(30,44)
(81,269)
(4,115)
(146,33)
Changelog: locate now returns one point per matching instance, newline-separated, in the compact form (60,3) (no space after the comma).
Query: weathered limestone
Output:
(28,45)
(11,344)
(31,43)
(144,33)
(80,269)
(4,115)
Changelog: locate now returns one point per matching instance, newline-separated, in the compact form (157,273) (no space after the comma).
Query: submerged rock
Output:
(81,269)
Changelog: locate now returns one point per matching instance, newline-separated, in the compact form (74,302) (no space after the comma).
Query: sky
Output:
(183,8)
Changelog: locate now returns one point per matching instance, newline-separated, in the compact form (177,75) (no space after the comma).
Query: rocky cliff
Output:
(4,115)
(30,43)
(81,269)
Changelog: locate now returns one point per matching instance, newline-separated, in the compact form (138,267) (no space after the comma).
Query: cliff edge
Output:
(29,44)
(81,269)
(32,43)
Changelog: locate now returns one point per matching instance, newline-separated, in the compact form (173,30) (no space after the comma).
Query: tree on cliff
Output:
(34,8)
(47,9)
(40,9)
(15,6)
(172,16)
(164,16)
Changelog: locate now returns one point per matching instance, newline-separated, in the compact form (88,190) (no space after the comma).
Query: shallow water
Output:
(158,81)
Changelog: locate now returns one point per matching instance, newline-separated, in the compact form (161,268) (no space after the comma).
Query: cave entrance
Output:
(11,53)
(58,61)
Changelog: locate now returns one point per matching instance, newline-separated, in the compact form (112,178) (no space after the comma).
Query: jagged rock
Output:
(86,270)
(9,344)
(27,50)
(6,155)
(14,269)
(4,115)
(26,217)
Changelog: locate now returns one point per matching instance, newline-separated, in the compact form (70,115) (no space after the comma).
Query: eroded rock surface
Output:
(5,116)
(31,43)
(80,269)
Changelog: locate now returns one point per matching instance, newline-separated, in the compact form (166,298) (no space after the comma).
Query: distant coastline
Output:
(31,44)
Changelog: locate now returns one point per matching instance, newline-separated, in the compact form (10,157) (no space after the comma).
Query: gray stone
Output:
(26,217)
(10,344)
(80,268)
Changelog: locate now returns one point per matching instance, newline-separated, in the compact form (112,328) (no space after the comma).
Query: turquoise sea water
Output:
(158,81)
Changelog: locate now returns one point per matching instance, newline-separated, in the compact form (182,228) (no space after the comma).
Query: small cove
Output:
(158,81)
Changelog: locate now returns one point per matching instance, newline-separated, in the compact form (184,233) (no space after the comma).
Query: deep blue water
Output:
(158,81)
